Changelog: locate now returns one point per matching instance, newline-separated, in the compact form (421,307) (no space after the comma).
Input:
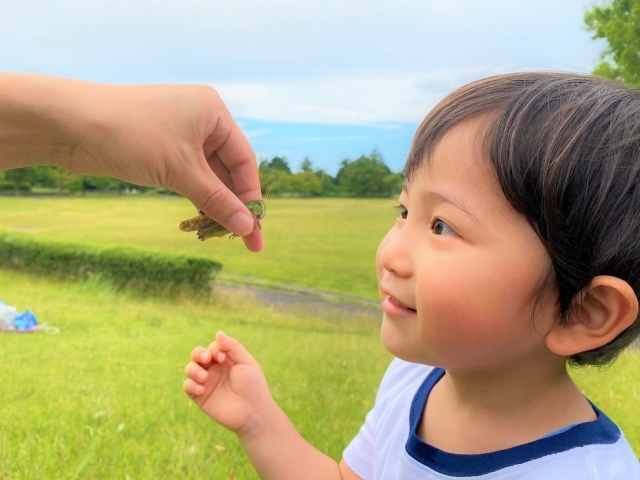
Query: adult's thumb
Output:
(210,195)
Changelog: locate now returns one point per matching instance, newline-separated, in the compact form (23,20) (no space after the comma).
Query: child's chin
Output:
(398,344)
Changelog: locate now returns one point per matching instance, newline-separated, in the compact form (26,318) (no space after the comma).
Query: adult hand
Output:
(180,137)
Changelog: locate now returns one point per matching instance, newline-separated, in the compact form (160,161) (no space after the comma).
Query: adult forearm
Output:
(41,119)
(279,452)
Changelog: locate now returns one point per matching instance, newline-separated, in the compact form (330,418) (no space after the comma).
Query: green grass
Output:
(327,244)
(103,398)
(616,391)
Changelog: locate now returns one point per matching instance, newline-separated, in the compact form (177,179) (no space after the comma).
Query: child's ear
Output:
(606,308)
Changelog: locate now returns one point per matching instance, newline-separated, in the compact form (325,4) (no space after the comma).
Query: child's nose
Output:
(394,254)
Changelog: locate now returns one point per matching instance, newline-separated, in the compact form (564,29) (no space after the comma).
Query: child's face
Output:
(456,287)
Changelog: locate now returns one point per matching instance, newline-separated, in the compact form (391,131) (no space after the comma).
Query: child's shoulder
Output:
(401,382)
(592,450)
(402,375)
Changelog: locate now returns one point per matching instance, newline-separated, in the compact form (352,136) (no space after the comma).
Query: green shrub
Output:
(133,269)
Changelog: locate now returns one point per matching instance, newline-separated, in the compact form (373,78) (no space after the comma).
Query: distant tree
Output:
(365,177)
(327,181)
(394,183)
(306,165)
(279,163)
(618,23)
(21,178)
(76,184)
(305,183)
(273,180)
(62,179)
(340,175)
(101,183)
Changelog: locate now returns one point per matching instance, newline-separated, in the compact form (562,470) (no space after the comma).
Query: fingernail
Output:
(199,389)
(204,357)
(240,222)
(201,375)
(220,357)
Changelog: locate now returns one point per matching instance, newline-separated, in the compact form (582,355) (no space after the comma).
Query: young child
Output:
(516,251)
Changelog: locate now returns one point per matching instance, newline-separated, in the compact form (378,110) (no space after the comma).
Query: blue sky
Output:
(328,79)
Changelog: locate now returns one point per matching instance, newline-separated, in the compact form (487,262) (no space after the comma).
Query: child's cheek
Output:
(460,306)
(473,311)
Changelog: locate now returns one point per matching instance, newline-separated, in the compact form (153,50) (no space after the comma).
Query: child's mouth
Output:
(393,306)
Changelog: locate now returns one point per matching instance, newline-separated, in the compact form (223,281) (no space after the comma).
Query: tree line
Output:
(57,180)
(366,176)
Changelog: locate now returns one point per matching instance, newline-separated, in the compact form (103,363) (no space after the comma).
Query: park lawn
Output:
(616,391)
(324,243)
(103,398)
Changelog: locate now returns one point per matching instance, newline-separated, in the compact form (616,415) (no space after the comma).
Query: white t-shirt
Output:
(387,446)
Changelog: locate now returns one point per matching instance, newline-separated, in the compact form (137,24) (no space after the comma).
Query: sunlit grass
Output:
(616,391)
(327,244)
(103,398)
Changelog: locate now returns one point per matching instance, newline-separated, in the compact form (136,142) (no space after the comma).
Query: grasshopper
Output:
(208,228)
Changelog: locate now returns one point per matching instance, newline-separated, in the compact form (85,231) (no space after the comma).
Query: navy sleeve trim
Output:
(600,431)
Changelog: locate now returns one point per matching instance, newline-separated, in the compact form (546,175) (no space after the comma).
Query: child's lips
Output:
(392,306)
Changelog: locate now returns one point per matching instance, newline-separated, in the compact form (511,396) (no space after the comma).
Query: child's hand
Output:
(227,383)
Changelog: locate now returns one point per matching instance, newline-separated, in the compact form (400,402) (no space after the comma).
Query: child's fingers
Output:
(201,355)
(234,349)
(192,388)
(216,354)
(195,372)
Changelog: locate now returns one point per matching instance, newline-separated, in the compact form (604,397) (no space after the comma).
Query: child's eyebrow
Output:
(430,196)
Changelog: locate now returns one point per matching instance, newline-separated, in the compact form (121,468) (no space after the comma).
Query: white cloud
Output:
(326,138)
(367,100)
(364,100)
(254,133)
(322,61)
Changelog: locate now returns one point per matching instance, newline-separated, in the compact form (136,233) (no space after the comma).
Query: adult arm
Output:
(180,137)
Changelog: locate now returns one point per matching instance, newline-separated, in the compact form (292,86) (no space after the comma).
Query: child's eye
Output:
(440,227)
(402,211)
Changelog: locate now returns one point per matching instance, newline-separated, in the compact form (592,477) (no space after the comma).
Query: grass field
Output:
(103,398)
(326,244)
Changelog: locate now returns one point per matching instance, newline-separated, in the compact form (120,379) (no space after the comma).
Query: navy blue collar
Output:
(600,431)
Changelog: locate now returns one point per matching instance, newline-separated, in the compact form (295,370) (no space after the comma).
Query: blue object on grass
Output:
(25,321)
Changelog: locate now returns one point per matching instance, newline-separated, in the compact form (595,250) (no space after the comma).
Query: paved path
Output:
(299,299)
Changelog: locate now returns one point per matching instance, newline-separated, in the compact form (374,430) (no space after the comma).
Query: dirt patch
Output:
(306,304)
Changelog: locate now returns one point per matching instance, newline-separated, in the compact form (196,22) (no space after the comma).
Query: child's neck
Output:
(480,412)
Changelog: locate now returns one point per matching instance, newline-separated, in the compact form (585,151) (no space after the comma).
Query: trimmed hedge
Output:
(125,268)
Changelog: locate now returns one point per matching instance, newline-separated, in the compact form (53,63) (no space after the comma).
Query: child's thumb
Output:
(234,349)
